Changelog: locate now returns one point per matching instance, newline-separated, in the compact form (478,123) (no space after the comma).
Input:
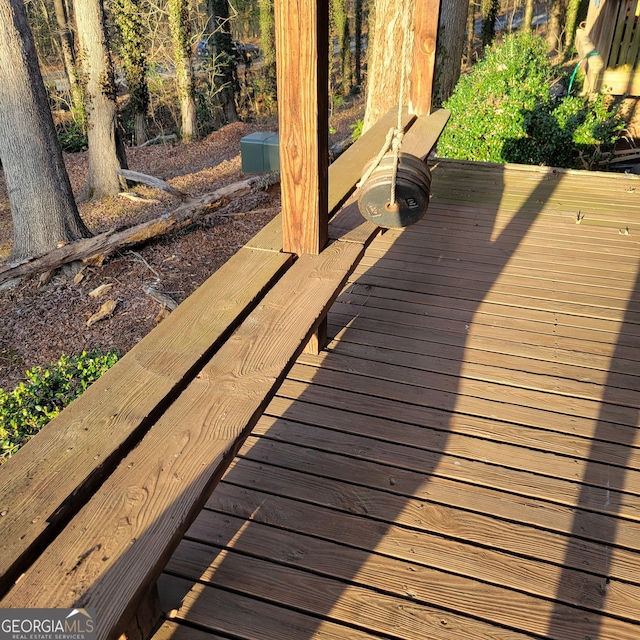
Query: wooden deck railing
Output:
(95,504)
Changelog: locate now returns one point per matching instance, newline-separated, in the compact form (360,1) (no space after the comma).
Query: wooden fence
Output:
(610,37)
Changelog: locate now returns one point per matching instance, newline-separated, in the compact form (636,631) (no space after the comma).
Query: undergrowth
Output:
(513,107)
(47,390)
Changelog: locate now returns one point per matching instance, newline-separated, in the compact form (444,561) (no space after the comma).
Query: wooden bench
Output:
(92,508)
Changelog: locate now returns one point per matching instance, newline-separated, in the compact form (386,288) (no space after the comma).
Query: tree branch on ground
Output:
(191,210)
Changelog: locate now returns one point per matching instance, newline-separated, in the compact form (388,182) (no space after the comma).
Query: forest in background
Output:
(231,50)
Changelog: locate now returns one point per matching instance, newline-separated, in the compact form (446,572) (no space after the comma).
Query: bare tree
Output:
(557,18)
(529,6)
(67,46)
(180,25)
(106,149)
(471,25)
(490,10)
(268,46)
(573,7)
(219,26)
(357,52)
(129,19)
(43,210)
(453,15)
(385,57)
(341,23)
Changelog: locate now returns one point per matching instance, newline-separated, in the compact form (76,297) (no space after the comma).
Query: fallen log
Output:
(191,210)
(152,181)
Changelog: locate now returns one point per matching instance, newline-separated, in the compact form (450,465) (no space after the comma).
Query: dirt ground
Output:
(39,323)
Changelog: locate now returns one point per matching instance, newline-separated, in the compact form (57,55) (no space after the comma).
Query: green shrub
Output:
(505,111)
(356,129)
(72,137)
(32,404)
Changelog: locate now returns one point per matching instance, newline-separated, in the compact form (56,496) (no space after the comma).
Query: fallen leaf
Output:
(98,291)
(164,313)
(95,261)
(106,310)
(79,277)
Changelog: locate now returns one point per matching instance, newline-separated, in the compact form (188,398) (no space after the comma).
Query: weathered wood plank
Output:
(404,389)
(331,505)
(442,431)
(492,314)
(81,447)
(328,556)
(489,339)
(521,331)
(244,617)
(605,275)
(497,367)
(501,228)
(431,409)
(177,464)
(484,251)
(536,299)
(601,294)
(430,589)
(425,36)
(525,480)
(425,132)
(172,631)
(391,565)
(430,443)
(302,52)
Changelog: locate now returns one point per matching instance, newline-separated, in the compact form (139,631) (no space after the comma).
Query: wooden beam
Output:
(425,36)
(119,542)
(302,44)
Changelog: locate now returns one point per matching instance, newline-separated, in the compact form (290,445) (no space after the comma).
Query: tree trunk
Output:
(357,54)
(128,18)
(180,26)
(69,59)
(528,14)
(453,17)
(555,25)
(490,10)
(341,22)
(220,26)
(105,149)
(42,206)
(385,58)
(471,24)
(268,46)
(573,8)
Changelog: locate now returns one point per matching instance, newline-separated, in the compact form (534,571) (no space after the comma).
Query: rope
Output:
(399,132)
(395,135)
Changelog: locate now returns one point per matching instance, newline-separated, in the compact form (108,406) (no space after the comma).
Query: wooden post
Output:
(425,36)
(302,57)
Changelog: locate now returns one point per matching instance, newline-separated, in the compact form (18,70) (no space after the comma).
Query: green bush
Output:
(26,409)
(505,111)
(72,137)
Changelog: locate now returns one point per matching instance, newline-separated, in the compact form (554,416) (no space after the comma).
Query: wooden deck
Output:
(463,460)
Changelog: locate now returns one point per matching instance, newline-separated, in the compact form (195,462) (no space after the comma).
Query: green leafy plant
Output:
(72,137)
(356,129)
(47,390)
(505,111)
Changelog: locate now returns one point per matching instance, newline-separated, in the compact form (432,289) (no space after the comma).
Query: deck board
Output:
(463,459)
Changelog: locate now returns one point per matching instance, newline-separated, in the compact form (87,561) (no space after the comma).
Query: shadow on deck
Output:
(462,460)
